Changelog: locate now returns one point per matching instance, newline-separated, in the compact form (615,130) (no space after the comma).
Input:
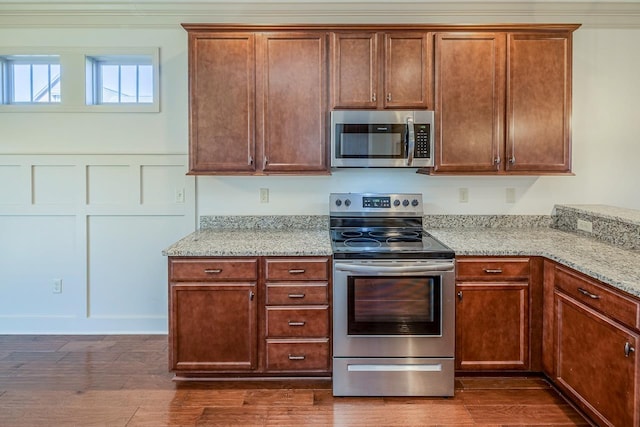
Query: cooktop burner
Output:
(381,226)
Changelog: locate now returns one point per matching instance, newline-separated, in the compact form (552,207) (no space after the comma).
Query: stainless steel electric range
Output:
(393,299)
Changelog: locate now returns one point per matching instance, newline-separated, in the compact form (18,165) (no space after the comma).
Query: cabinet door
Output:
(292,102)
(492,326)
(539,103)
(469,69)
(213,327)
(407,70)
(221,99)
(592,365)
(354,70)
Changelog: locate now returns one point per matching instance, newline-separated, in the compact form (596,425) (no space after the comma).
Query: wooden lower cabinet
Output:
(492,313)
(595,344)
(249,316)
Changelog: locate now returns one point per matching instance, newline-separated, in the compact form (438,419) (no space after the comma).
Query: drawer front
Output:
(492,269)
(297,268)
(283,294)
(308,322)
(621,308)
(298,356)
(213,270)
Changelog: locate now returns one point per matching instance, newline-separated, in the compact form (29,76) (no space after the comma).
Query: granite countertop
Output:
(604,261)
(252,242)
(608,263)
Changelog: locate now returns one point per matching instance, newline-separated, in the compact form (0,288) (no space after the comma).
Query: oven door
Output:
(393,308)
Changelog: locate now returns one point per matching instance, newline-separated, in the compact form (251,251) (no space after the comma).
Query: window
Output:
(120,79)
(30,79)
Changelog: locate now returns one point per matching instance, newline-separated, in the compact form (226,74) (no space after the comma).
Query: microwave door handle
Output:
(411,141)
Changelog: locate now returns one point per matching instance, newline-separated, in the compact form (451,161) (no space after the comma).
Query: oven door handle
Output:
(354,268)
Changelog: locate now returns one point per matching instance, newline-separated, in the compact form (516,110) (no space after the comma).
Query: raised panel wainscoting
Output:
(95,225)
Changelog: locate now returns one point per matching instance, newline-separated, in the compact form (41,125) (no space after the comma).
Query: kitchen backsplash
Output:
(618,226)
(277,222)
(487,221)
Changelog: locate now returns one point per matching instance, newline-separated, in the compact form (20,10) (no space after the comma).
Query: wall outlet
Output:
(463,195)
(179,195)
(57,286)
(264,195)
(510,195)
(585,226)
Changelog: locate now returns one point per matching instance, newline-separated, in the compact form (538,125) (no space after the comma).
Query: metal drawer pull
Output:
(300,271)
(589,294)
(296,323)
(213,271)
(628,349)
(292,357)
(296,295)
(493,270)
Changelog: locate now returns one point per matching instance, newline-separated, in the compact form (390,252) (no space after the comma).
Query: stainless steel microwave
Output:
(382,139)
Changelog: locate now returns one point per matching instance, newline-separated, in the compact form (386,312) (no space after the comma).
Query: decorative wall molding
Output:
(166,13)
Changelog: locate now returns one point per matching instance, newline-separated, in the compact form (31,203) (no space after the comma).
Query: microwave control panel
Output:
(423,144)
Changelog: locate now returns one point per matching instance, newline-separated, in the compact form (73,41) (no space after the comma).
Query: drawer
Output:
(297,268)
(213,270)
(492,269)
(286,294)
(584,289)
(298,356)
(308,322)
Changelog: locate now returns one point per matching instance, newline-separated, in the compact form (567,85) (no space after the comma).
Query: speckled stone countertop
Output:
(608,263)
(253,242)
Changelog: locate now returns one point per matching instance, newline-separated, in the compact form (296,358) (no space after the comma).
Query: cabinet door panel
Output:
(591,365)
(213,327)
(539,103)
(354,70)
(492,326)
(221,73)
(293,105)
(407,71)
(469,101)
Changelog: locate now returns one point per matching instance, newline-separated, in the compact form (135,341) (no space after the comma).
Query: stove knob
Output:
(338,202)
(396,203)
(347,202)
(414,202)
(405,203)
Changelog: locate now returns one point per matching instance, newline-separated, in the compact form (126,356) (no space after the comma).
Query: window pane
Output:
(145,84)
(110,83)
(40,83)
(21,83)
(129,83)
(55,83)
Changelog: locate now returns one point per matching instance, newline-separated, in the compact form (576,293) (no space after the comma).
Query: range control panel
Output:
(404,204)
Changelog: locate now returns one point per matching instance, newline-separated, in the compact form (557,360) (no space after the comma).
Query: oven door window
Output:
(406,305)
(371,141)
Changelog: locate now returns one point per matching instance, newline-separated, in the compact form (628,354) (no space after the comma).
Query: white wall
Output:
(89,198)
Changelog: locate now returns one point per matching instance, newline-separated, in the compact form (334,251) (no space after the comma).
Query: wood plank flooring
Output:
(124,381)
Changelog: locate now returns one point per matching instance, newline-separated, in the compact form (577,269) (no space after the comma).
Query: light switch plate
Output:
(586,226)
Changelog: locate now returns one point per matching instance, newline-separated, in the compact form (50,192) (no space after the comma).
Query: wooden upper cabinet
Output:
(373,70)
(539,102)
(292,104)
(470,73)
(221,102)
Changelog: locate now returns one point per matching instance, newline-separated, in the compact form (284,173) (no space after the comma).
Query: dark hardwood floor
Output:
(123,381)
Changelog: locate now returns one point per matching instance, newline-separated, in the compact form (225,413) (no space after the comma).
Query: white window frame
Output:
(75,81)
(130,56)
(7,77)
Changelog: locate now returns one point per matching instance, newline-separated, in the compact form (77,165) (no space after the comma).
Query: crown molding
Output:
(168,14)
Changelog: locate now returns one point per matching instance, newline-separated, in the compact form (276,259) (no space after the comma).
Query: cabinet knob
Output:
(265,162)
(373,97)
(512,160)
(497,160)
(459,295)
(628,349)
(389,97)
(250,160)
(251,295)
